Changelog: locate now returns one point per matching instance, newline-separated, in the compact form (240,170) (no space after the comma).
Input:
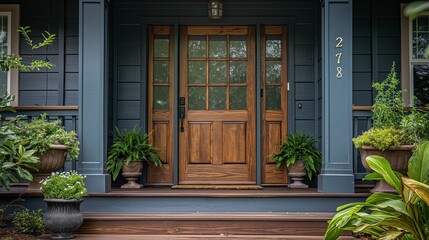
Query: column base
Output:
(336,183)
(98,183)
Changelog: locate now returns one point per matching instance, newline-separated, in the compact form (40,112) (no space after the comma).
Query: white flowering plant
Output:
(64,185)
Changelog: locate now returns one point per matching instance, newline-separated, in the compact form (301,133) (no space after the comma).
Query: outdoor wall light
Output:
(215,9)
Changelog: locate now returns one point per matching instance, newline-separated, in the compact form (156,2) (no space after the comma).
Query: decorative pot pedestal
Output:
(297,173)
(398,158)
(131,173)
(131,177)
(297,180)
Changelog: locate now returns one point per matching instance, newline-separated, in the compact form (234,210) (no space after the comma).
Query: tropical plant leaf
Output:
(392,234)
(418,165)
(421,189)
(382,166)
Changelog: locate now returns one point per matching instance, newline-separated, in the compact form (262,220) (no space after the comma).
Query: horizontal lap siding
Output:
(42,88)
(128,78)
(376,44)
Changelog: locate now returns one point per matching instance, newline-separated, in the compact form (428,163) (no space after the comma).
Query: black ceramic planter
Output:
(63,217)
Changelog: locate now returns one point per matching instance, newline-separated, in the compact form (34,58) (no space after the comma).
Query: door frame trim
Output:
(257,22)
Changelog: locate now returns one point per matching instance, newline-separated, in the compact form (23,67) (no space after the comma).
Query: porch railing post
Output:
(93,77)
(337,172)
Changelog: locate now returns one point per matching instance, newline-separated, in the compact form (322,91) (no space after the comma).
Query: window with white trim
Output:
(419,61)
(9,44)
(5,49)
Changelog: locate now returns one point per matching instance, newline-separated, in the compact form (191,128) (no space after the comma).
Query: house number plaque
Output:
(339,46)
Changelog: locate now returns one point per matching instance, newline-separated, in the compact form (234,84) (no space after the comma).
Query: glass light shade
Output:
(215,9)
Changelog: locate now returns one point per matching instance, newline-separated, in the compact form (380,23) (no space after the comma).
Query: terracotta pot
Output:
(297,172)
(131,173)
(398,158)
(52,160)
(63,217)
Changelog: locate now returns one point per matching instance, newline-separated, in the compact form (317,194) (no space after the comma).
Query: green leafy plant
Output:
(64,185)
(415,126)
(388,108)
(29,222)
(129,146)
(300,147)
(14,61)
(404,215)
(39,134)
(380,138)
(14,158)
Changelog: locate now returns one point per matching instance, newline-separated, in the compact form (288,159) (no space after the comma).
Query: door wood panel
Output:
(217,145)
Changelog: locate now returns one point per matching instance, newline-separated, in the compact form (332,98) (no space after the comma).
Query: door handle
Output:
(182,116)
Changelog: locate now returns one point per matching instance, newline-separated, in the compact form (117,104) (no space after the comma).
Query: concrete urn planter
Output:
(131,173)
(297,172)
(52,160)
(398,158)
(63,217)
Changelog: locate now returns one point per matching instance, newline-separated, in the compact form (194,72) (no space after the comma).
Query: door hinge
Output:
(288,86)
(261,93)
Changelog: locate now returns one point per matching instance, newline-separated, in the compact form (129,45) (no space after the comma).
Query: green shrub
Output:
(129,146)
(415,126)
(380,138)
(388,108)
(65,185)
(300,147)
(39,134)
(29,222)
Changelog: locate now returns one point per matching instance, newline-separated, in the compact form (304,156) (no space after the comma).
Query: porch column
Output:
(93,77)
(337,171)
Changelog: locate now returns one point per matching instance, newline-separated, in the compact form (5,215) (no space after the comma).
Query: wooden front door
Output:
(217,105)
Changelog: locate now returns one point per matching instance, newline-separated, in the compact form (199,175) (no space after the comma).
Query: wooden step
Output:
(183,237)
(207,223)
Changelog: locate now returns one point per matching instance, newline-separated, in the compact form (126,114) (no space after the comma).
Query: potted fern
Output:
(301,158)
(127,153)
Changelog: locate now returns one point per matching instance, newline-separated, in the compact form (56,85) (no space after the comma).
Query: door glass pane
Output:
(273,98)
(421,84)
(237,72)
(273,47)
(237,47)
(217,98)
(161,46)
(197,47)
(197,98)
(160,98)
(420,37)
(237,98)
(161,71)
(273,71)
(217,72)
(196,72)
(217,46)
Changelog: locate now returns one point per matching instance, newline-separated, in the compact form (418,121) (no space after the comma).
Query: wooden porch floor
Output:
(183,237)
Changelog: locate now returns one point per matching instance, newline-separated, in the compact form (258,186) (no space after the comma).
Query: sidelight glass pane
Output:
(217,47)
(237,98)
(197,98)
(161,46)
(273,98)
(273,47)
(237,46)
(217,98)
(238,72)
(196,72)
(197,47)
(421,84)
(217,72)
(160,98)
(273,71)
(161,71)
(420,37)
